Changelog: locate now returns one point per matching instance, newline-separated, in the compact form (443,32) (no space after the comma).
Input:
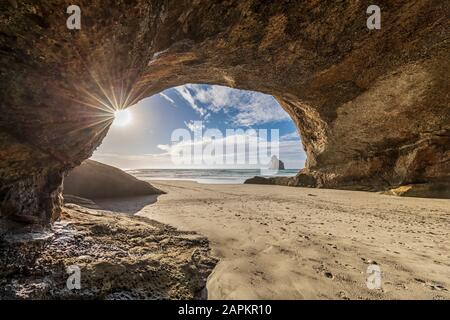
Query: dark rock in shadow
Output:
(94,180)
(282,181)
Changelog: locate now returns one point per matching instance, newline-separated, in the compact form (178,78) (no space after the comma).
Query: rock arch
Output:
(371,105)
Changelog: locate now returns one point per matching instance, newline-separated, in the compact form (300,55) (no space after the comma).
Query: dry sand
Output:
(278,242)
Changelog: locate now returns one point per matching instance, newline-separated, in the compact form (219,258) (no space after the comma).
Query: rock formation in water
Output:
(94,180)
(371,106)
(276,164)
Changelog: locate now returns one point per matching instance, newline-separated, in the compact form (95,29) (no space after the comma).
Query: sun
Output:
(122,118)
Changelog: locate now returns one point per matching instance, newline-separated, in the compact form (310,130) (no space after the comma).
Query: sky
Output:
(142,138)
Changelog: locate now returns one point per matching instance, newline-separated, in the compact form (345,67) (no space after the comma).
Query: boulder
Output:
(94,180)
(281,181)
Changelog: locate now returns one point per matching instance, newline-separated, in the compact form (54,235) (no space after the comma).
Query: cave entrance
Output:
(371,112)
(206,133)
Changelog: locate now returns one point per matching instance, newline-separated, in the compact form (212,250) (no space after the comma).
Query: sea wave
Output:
(207,176)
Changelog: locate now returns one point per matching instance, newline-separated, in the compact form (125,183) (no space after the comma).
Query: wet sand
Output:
(278,242)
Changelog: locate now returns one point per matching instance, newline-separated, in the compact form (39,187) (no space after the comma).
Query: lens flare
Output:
(122,118)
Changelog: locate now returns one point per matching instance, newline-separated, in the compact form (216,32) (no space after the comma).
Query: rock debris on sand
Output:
(120,257)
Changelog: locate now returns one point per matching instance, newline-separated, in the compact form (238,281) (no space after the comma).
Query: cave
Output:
(371,105)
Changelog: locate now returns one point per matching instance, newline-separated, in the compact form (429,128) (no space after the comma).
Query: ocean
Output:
(207,176)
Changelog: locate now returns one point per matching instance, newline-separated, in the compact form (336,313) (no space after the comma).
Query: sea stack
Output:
(276,164)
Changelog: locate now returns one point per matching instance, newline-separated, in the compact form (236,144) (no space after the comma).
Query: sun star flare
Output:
(122,118)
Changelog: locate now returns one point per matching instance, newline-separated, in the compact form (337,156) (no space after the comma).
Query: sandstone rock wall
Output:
(371,105)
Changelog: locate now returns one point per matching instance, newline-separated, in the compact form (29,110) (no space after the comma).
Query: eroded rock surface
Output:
(119,257)
(371,105)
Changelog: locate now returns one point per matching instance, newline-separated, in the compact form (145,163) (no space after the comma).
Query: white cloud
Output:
(194,125)
(217,97)
(248,107)
(206,118)
(290,152)
(293,136)
(164,147)
(186,95)
(127,161)
(234,146)
(167,98)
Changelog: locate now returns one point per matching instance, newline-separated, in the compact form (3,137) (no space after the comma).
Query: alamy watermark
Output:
(255,148)
(73,22)
(374,20)
(74,280)
(373,280)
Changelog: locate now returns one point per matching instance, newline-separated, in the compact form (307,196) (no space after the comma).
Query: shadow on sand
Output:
(128,205)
